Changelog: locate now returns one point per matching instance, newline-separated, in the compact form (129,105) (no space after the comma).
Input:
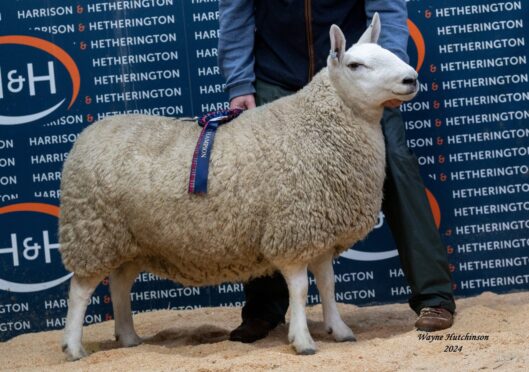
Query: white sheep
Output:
(291,184)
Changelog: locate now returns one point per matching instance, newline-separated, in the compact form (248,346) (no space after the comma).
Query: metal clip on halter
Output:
(218,118)
(188,118)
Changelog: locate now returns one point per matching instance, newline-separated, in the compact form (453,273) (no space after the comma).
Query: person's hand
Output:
(243,102)
(392,103)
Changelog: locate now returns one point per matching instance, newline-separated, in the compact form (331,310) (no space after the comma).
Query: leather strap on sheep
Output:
(198,177)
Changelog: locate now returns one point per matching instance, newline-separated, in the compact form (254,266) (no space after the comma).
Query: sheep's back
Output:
(125,196)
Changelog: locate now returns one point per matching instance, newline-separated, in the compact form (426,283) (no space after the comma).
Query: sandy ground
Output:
(196,340)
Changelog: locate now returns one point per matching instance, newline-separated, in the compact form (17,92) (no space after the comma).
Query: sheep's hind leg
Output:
(298,333)
(324,275)
(80,291)
(121,281)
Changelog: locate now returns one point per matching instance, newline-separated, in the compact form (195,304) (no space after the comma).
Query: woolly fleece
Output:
(288,181)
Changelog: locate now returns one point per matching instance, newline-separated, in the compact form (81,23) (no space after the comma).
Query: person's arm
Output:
(236,60)
(393,17)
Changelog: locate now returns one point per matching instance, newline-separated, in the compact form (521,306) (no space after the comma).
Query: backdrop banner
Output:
(66,64)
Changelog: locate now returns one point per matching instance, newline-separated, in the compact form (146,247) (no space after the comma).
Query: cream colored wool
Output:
(291,184)
(288,181)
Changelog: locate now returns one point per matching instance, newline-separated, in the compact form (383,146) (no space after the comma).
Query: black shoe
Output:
(251,330)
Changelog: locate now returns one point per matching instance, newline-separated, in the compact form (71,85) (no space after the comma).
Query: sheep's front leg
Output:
(298,333)
(324,275)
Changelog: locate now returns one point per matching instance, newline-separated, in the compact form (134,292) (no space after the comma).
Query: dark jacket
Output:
(285,42)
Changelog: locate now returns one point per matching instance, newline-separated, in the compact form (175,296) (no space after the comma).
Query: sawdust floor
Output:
(196,340)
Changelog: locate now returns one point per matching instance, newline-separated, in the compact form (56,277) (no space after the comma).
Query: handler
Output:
(269,49)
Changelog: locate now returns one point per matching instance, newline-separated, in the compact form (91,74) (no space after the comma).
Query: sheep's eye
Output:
(354,65)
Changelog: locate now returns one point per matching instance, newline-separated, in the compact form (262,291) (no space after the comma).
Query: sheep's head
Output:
(368,74)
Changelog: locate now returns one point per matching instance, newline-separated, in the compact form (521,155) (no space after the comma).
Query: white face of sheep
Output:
(367,74)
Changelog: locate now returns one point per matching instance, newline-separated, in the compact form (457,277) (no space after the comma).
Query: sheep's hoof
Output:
(304,345)
(344,337)
(341,333)
(307,352)
(129,341)
(348,339)
(74,354)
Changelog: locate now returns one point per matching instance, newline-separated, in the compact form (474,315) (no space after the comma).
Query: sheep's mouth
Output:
(409,93)
(409,89)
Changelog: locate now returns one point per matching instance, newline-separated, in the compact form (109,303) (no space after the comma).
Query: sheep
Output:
(292,184)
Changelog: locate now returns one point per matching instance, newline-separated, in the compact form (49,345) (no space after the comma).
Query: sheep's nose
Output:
(409,81)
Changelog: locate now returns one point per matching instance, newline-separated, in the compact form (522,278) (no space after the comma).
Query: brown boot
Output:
(434,319)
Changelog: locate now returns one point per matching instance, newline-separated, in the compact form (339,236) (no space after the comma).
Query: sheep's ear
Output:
(373,31)
(337,45)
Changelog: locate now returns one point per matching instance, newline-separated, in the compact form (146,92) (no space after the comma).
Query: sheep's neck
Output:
(320,100)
